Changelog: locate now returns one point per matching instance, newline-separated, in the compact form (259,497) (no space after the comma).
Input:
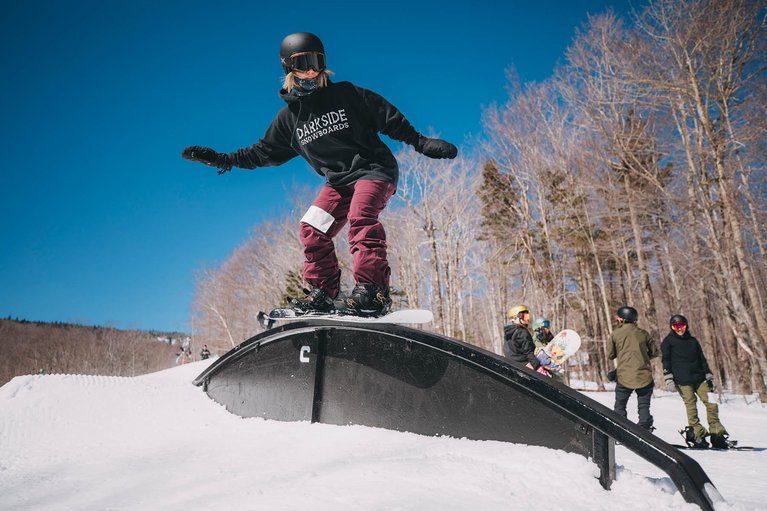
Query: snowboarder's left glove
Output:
(710,382)
(436,148)
(612,375)
(208,157)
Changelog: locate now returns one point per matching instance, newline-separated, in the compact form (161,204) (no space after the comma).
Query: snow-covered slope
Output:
(156,442)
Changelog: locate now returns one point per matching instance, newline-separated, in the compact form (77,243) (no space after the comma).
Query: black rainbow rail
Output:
(400,378)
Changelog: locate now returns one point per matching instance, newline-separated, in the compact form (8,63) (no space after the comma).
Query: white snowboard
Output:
(399,317)
(557,351)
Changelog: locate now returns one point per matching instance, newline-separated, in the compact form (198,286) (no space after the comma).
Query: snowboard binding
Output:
(723,442)
(717,441)
(688,434)
(365,300)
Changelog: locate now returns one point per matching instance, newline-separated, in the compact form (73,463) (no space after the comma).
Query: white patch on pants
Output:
(318,218)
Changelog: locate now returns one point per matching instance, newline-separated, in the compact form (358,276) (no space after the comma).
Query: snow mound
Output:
(157,442)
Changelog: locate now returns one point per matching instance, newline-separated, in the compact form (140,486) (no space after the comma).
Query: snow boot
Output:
(689,437)
(316,301)
(366,300)
(722,442)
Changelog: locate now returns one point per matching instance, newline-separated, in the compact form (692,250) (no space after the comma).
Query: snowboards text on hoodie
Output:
(335,129)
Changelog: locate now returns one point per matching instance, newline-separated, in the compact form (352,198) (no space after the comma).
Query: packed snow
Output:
(156,442)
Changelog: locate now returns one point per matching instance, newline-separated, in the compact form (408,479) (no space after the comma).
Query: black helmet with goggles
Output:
(678,321)
(302,51)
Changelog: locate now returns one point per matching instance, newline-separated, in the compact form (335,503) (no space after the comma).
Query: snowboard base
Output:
(557,351)
(733,448)
(399,317)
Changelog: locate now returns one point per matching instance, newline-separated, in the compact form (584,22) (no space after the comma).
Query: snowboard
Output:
(399,317)
(732,445)
(557,351)
(732,448)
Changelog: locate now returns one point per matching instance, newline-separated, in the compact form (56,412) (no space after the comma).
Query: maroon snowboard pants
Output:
(359,204)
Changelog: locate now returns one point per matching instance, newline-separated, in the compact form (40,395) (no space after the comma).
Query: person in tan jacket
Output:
(632,348)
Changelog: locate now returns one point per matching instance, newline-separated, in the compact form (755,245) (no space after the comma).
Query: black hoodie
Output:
(683,356)
(518,345)
(335,129)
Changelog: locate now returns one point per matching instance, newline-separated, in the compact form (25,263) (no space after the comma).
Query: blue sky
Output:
(105,224)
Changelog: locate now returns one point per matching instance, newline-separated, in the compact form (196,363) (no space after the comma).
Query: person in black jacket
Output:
(334,127)
(518,343)
(686,371)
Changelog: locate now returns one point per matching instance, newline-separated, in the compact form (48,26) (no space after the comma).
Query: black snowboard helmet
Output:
(678,318)
(628,314)
(302,42)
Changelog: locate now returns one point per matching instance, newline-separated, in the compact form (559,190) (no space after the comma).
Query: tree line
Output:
(634,175)
(46,348)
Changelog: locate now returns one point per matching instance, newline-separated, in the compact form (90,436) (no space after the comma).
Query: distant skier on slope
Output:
(334,127)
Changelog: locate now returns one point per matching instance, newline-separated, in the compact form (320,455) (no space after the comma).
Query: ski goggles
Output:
(678,325)
(305,61)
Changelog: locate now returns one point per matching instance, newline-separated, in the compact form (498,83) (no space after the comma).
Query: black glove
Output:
(669,379)
(612,375)
(208,157)
(435,148)
(710,382)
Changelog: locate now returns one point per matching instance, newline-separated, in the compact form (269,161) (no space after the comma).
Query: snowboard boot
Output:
(689,437)
(316,301)
(366,300)
(722,442)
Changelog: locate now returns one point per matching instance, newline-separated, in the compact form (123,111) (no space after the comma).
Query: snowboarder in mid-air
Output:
(334,127)
(686,371)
